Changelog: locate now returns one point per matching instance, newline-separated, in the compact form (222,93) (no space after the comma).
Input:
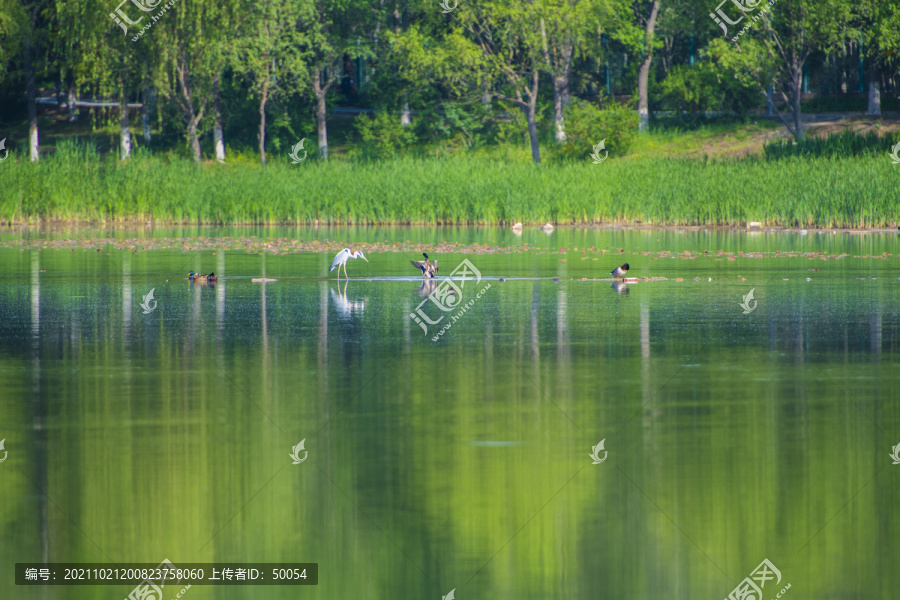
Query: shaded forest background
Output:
(386,78)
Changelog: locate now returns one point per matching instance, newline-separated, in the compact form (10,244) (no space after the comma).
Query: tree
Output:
(878,23)
(569,29)
(270,56)
(637,32)
(644,73)
(24,29)
(194,48)
(97,53)
(330,27)
(790,31)
(512,54)
(887,32)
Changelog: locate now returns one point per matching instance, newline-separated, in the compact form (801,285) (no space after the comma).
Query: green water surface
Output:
(463,463)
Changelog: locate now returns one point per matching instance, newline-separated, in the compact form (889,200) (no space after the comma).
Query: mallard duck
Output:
(211,278)
(428,268)
(620,271)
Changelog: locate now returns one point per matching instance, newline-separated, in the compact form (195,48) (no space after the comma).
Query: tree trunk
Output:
(218,136)
(644,73)
(28,65)
(874,108)
(530,114)
(560,99)
(124,132)
(797,88)
(193,123)
(560,63)
(263,98)
(405,119)
(192,116)
(148,95)
(321,92)
(71,99)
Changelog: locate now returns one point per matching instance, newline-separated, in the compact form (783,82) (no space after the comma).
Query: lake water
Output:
(729,435)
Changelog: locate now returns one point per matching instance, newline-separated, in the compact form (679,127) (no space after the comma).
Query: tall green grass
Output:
(77,184)
(838,145)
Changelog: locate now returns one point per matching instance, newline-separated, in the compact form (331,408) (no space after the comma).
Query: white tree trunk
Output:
(31,99)
(124,133)
(874,108)
(218,136)
(405,119)
(33,145)
(560,99)
(219,142)
(71,99)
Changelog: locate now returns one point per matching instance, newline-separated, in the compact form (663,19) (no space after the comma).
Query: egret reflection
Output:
(345,306)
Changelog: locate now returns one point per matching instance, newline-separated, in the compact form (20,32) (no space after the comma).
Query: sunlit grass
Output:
(77,184)
(708,139)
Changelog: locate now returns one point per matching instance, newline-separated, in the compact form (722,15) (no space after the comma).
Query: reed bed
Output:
(76,184)
(834,145)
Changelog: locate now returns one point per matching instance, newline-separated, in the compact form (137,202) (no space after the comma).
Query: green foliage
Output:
(708,86)
(454,126)
(587,125)
(512,127)
(290,51)
(384,136)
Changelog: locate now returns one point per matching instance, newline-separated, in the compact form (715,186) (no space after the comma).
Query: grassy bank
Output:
(808,192)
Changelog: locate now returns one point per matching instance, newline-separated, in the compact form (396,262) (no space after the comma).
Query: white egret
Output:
(341,260)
